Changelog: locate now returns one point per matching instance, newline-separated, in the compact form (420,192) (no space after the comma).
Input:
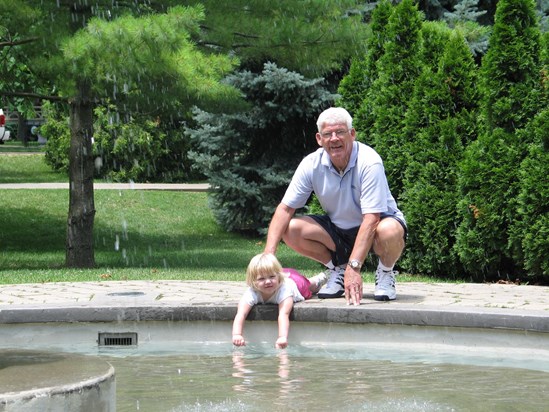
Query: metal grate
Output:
(117,338)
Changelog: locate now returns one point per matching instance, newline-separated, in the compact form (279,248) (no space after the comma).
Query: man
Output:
(349,180)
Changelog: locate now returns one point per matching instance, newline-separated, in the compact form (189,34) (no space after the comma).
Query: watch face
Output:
(355,264)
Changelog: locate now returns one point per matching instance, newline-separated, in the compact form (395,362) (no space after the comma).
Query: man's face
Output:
(337,140)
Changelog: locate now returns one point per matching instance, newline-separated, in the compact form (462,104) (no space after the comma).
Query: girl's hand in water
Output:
(281,342)
(238,340)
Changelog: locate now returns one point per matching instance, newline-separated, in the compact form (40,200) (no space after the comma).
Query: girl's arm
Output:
(284,309)
(238,324)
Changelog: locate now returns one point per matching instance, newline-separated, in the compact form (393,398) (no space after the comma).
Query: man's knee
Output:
(306,229)
(294,230)
(389,234)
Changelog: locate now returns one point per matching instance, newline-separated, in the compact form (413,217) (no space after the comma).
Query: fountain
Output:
(176,355)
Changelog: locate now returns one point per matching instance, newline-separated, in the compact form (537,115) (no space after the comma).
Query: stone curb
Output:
(490,319)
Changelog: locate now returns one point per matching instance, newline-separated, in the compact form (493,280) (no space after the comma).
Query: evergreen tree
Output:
(440,122)
(489,179)
(250,156)
(355,86)
(308,36)
(465,10)
(511,67)
(84,53)
(529,232)
(398,69)
(464,19)
(434,39)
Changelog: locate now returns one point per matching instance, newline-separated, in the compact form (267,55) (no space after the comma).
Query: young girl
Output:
(269,283)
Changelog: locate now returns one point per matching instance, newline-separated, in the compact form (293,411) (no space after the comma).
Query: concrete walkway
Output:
(435,304)
(188,187)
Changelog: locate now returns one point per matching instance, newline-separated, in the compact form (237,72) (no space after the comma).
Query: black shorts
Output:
(344,239)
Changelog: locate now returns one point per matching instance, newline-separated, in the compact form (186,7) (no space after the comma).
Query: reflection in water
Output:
(244,371)
(259,378)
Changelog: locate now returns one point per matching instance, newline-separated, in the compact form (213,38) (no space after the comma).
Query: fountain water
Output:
(191,366)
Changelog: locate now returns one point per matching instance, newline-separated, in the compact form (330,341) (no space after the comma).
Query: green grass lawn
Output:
(27,168)
(138,235)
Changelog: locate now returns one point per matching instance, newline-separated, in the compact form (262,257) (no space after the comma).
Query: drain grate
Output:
(117,338)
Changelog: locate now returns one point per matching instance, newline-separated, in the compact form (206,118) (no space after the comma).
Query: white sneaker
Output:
(385,285)
(335,287)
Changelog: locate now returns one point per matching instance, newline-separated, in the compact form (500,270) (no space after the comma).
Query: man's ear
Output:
(319,139)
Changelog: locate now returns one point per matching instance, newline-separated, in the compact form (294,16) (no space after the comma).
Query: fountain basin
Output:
(35,380)
(438,347)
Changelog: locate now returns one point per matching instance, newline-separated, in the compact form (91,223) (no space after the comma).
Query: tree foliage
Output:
(311,37)
(464,146)
(511,67)
(440,123)
(354,88)
(529,230)
(489,178)
(398,68)
(164,62)
(249,156)
(464,18)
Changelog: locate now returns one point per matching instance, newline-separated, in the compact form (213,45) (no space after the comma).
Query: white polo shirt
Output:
(362,188)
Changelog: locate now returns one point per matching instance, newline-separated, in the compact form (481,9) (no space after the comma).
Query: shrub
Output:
(355,86)
(488,189)
(126,150)
(139,150)
(56,130)
(398,69)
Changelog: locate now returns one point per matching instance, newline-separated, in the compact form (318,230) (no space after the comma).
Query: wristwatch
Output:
(355,264)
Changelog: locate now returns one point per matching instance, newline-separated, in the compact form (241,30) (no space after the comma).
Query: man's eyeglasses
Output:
(339,133)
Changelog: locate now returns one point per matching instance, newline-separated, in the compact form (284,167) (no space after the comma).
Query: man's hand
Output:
(353,286)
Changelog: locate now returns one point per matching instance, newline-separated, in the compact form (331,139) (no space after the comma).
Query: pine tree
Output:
(309,36)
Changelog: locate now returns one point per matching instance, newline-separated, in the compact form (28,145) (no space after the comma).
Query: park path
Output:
(187,187)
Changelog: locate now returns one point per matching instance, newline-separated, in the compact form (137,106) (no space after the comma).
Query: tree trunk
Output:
(80,253)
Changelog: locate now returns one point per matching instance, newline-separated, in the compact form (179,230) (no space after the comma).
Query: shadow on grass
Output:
(31,230)
(133,229)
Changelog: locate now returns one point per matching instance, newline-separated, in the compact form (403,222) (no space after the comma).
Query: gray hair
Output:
(334,115)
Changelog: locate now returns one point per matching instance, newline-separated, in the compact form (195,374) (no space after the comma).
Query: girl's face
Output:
(267,284)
